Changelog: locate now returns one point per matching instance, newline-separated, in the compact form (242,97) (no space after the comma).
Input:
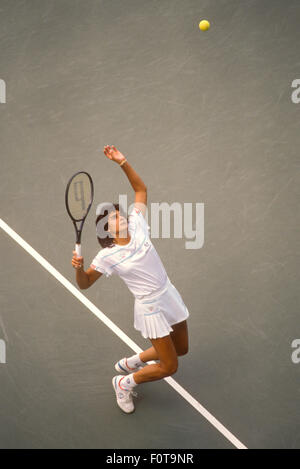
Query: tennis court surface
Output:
(203,117)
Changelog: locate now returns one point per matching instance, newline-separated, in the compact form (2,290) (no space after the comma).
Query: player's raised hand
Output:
(113,154)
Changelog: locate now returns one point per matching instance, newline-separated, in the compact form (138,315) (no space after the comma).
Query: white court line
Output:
(96,311)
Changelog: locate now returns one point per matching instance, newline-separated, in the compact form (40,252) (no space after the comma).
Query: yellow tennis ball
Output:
(204,25)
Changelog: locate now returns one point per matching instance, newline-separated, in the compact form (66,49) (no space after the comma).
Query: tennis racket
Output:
(79,198)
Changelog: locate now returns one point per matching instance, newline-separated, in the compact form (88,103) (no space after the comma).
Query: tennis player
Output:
(159,311)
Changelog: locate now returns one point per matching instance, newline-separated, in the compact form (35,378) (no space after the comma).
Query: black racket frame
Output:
(78,231)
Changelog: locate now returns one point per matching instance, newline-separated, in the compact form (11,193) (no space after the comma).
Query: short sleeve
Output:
(101,265)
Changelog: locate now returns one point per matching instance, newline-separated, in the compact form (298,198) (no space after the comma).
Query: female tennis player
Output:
(159,311)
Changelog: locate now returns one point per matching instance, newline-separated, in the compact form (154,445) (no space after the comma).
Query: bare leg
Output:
(148,355)
(167,366)
(180,339)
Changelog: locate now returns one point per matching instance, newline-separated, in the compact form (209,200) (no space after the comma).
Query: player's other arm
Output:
(84,279)
(138,186)
(135,180)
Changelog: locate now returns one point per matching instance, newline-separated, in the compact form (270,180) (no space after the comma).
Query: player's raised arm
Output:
(136,182)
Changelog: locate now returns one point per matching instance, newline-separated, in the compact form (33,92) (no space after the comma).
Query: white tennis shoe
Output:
(124,396)
(122,367)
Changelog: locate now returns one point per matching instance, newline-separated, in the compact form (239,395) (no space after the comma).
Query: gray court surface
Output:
(203,118)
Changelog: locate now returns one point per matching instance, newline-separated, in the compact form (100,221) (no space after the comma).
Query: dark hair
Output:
(107,241)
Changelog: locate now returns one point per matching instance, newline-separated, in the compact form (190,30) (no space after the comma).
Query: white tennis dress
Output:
(158,305)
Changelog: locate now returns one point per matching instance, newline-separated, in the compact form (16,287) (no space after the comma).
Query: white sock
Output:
(127,382)
(134,361)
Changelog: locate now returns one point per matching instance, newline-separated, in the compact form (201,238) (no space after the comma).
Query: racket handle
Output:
(78,250)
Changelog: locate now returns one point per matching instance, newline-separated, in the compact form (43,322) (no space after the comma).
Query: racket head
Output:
(79,197)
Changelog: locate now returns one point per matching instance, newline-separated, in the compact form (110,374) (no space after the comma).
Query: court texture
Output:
(203,117)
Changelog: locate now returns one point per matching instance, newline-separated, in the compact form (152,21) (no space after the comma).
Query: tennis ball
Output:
(204,25)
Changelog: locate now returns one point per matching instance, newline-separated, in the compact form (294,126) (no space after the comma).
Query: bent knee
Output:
(182,351)
(170,368)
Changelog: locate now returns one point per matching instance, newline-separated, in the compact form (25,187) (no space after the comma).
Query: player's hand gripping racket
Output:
(79,198)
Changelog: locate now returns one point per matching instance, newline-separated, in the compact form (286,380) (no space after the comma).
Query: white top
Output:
(137,262)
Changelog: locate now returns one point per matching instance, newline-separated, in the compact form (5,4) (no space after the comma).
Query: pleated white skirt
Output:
(155,314)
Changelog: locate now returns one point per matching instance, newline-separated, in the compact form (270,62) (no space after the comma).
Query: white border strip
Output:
(96,311)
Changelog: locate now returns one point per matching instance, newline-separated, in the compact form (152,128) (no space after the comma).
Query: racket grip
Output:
(78,250)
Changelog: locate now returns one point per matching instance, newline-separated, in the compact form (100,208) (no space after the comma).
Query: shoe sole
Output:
(125,412)
(120,370)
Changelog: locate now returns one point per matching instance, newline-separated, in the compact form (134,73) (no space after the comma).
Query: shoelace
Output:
(131,393)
